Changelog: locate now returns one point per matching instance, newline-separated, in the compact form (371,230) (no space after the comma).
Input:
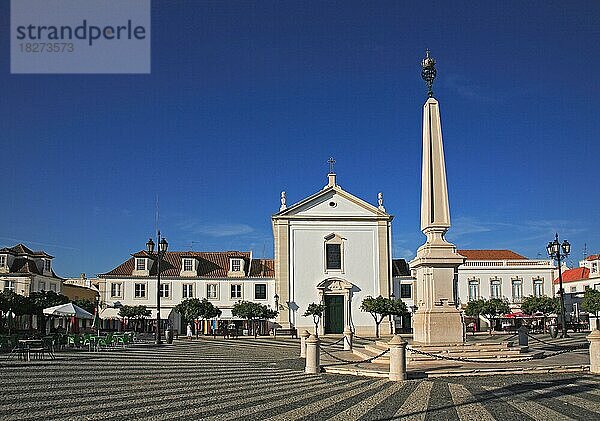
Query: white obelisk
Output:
(437,320)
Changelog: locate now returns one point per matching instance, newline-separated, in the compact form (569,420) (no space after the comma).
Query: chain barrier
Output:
(343,361)
(580,346)
(332,343)
(471,360)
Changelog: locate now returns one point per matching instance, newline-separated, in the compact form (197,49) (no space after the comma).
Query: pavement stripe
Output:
(466,405)
(365,406)
(284,396)
(529,407)
(415,406)
(325,403)
(573,399)
(148,398)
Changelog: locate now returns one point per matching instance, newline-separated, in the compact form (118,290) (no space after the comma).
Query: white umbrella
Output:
(68,309)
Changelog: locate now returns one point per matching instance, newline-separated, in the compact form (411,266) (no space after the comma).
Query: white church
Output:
(332,248)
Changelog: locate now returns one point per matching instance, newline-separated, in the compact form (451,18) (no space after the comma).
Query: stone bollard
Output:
(594,339)
(313,363)
(303,337)
(347,339)
(523,338)
(397,358)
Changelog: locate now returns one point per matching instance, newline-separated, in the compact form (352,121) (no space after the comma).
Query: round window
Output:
(332,204)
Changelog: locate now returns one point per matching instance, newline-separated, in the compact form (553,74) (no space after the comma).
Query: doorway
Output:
(334,314)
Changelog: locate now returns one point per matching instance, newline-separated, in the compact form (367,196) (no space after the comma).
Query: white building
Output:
(591,262)
(503,274)
(24,271)
(224,278)
(331,248)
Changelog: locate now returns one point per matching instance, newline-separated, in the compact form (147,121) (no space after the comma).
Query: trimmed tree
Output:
(252,312)
(316,311)
(381,307)
(135,313)
(39,300)
(544,305)
(189,309)
(591,303)
(86,304)
(490,309)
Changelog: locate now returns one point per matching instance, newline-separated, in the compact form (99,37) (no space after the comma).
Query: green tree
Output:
(545,305)
(13,304)
(189,309)
(253,312)
(591,303)
(316,311)
(86,304)
(490,309)
(134,313)
(381,307)
(39,300)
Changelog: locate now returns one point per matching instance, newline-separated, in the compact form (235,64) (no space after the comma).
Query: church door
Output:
(334,313)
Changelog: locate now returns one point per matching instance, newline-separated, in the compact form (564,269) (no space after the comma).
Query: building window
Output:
(9,286)
(42,286)
(140,264)
(573,289)
(188,291)
(188,265)
(212,291)
(495,288)
(47,265)
(405,290)
(538,287)
(236,291)
(517,290)
(334,256)
(594,267)
(115,289)
(165,290)
(140,291)
(2,259)
(260,291)
(53,287)
(236,265)
(473,290)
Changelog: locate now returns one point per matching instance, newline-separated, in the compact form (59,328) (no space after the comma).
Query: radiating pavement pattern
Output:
(261,379)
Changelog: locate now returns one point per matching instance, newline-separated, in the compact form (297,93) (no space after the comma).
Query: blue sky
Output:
(247,99)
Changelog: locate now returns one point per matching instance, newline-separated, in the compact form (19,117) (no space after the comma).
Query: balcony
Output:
(507,263)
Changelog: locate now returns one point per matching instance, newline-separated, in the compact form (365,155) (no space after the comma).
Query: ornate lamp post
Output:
(162,248)
(558,252)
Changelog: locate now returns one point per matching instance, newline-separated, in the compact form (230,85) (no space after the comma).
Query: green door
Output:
(334,314)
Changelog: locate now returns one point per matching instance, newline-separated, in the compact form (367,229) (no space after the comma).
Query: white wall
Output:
(307,265)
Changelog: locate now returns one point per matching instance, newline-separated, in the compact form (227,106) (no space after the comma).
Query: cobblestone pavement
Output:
(244,378)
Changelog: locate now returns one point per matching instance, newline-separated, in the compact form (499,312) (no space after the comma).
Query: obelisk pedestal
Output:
(437,320)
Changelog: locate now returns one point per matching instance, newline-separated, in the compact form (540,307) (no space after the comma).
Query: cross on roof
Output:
(331,163)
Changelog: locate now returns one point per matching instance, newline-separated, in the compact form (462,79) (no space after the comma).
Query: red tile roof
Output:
(491,255)
(211,264)
(573,275)
(593,257)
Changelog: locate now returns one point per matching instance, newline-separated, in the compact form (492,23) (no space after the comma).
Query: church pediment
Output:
(334,284)
(333,202)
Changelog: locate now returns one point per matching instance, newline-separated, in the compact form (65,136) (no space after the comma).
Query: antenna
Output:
(192,244)
(584,250)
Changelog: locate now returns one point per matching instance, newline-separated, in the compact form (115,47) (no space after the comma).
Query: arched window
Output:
(495,288)
(517,290)
(473,289)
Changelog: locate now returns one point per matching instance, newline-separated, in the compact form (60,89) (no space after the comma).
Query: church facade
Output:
(335,249)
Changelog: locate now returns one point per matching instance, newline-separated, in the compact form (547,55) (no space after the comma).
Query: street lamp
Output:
(557,252)
(276,297)
(162,248)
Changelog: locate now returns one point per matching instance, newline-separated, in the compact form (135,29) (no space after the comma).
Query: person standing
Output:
(189,331)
